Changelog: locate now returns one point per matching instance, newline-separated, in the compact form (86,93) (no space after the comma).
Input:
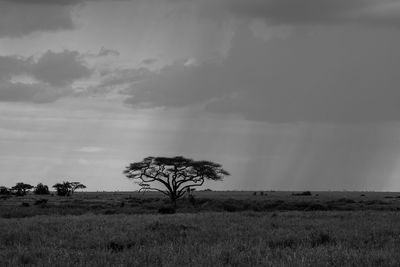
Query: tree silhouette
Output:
(173,176)
(20,189)
(68,188)
(76,185)
(41,189)
(4,190)
(63,189)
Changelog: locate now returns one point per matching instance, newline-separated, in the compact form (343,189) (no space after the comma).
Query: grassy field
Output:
(219,229)
(108,203)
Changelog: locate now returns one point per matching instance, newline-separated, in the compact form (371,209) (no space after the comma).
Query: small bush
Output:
(166,210)
(233,205)
(25,204)
(109,212)
(192,200)
(316,206)
(346,200)
(41,189)
(116,246)
(41,201)
(321,238)
(305,193)
(4,190)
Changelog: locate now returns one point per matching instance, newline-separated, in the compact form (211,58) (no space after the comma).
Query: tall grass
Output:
(317,238)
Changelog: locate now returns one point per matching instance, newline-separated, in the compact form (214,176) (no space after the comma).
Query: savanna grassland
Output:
(213,229)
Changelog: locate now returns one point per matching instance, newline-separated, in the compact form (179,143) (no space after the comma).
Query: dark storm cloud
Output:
(149,61)
(60,69)
(12,65)
(107,52)
(336,76)
(22,17)
(302,11)
(40,2)
(19,18)
(36,92)
(178,85)
(54,72)
(309,12)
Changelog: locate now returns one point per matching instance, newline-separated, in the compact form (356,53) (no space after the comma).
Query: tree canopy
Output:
(20,189)
(68,188)
(173,176)
(41,189)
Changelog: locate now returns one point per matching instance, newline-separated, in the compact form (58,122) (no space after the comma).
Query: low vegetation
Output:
(208,228)
(318,238)
(202,201)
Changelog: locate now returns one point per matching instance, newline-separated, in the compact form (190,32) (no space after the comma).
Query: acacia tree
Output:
(4,190)
(173,176)
(41,189)
(63,189)
(75,186)
(20,189)
(68,188)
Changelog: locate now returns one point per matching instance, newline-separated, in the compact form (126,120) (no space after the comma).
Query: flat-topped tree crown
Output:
(173,176)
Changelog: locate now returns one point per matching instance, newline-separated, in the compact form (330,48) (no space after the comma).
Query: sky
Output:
(286,95)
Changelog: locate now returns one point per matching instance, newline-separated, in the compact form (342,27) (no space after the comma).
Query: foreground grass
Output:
(314,238)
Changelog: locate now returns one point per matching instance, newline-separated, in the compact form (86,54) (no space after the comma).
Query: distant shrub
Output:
(376,202)
(25,204)
(316,206)
(109,212)
(346,200)
(118,246)
(4,190)
(305,193)
(192,199)
(322,238)
(4,197)
(284,243)
(167,210)
(21,189)
(40,201)
(232,205)
(41,189)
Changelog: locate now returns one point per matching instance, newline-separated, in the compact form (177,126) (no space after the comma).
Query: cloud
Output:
(305,12)
(60,69)
(177,85)
(23,17)
(12,65)
(107,52)
(90,149)
(50,77)
(149,61)
(339,75)
(35,93)
(19,18)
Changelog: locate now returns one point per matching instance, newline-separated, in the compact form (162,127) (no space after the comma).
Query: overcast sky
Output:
(286,95)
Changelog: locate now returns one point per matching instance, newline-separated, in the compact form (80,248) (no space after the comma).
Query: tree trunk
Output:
(173,201)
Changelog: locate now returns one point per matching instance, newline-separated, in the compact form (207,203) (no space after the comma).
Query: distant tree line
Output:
(62,189)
